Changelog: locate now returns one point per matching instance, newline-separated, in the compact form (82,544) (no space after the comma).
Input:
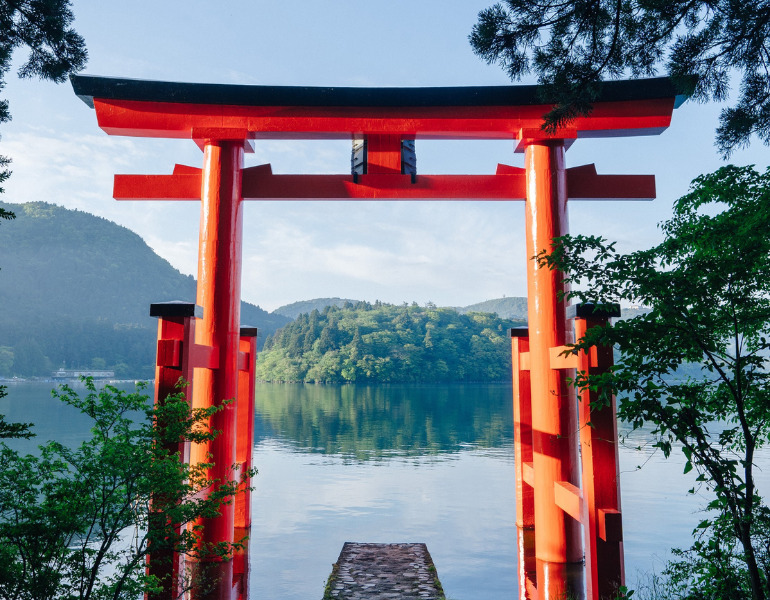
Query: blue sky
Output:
(449,253)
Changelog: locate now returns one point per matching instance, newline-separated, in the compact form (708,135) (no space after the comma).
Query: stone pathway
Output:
(384,572)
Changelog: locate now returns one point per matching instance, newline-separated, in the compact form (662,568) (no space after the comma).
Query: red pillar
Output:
(554,423)
(176,331)
(522,450)
(245,435)
(601,470)
(219,293)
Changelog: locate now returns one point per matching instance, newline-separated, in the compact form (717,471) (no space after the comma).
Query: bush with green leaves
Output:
(78,523)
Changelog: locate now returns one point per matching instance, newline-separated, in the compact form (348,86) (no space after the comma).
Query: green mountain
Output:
(505,308)
(387,343)
(345,341)
(295,309)
(75,290)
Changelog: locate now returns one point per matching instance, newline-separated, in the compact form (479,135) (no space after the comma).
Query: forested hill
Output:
(511,307)
(388,343)
(75,289)
(295,309)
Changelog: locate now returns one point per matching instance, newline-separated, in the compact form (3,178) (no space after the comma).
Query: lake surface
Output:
(402,463)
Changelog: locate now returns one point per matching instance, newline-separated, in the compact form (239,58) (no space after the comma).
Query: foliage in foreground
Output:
(77,523)
(707,286)
(701,44)
(387,343)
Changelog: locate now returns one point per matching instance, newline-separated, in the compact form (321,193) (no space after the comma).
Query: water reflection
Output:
(405,463)
(365,422)
(307,505)
(32,402)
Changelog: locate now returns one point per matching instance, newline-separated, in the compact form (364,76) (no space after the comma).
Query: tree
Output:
(55,49)
(12,430)
(77,523)
(572,46)
(28,358)
(695,365)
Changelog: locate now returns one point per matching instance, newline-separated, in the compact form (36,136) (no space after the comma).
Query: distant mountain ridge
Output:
(506,308)
(295,309)
(75,289)
(509,307)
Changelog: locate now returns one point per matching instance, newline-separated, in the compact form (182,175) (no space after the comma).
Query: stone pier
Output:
(384,572)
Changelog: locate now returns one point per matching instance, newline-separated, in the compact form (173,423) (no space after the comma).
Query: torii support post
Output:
(554,422)
(219,293)
(247,360)
(179,357)
(522,450)
(176,335)
(597,504)
(602,526)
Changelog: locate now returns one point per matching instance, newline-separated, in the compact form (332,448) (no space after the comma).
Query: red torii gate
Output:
(225,120)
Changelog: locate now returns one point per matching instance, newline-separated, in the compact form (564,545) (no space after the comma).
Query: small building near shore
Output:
(63,374)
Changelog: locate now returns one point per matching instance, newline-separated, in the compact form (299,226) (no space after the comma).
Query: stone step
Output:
(384,572)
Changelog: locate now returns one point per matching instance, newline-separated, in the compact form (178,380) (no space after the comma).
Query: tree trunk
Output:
(757,590)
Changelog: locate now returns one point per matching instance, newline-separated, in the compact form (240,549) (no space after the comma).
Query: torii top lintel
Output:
(385,118)
(189,110)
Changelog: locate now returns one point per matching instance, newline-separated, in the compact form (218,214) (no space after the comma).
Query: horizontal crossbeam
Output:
(259,183)
(569,498)
(170,353)
(528,473)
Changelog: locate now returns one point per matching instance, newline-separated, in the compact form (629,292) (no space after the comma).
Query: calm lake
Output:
(402,463)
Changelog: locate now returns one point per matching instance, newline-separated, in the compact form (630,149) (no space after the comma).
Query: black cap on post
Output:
(517,332)
(248,331)
(176,308)
(588,310)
